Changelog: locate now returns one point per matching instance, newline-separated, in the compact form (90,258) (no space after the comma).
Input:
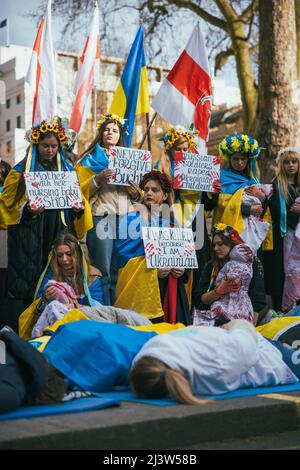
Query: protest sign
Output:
(196,172)
(53,189)
(128,164)
(169,247)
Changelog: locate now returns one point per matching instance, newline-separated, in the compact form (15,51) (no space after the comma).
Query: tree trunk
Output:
(240,45)
(245,77)
(297,9)
(278,116)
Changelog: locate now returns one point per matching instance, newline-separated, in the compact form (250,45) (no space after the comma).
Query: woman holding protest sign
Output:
(32,229)
(187,202)
(108,201)
(161,293)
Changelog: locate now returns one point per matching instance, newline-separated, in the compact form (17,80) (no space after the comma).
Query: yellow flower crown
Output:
(53,125)
(174,133)
(239,143)
(115,118)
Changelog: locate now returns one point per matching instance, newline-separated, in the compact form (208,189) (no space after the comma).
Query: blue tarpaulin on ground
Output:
(73,406)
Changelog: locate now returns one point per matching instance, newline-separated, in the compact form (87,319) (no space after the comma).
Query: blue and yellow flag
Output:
(132,97)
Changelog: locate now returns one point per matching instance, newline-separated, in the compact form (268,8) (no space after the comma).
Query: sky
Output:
(23,31)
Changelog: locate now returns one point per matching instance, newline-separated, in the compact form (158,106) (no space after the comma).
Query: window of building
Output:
(19,122)
(58,100)
(8,147)
(8,125)
(7,103)
(18,99)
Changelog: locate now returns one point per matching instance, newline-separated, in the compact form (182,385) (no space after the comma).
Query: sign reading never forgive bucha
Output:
(128,164)
(169,247)
(53,189)
(196,172)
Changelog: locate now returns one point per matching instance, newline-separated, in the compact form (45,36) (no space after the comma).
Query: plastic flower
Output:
(115,118)
(43,127)
(53,125)
(220,227)
(239,143)
(234,235)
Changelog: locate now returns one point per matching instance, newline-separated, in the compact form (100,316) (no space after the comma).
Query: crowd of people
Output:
(86,263)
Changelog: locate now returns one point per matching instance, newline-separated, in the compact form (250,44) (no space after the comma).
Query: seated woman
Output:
(236,272)
(208,361)
(67,282)
(149,291)
(211,288)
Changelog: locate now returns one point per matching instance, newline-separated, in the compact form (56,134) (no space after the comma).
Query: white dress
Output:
(219,361)
(256,229)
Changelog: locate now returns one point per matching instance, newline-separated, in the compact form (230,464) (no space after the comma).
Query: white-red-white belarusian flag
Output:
(85,76)
(41,72)
(185,95)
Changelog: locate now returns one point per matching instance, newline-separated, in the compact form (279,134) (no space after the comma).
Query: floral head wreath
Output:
(156,175)
(115,118)
(285,150)
(239,143)
(174,133)
(50,125)
(228,231)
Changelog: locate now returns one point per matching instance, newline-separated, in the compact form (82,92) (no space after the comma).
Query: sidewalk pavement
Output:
(138,426)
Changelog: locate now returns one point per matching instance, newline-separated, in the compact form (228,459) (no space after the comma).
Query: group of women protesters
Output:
(61,260)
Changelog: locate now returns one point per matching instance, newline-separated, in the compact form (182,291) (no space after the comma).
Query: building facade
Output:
(16,105)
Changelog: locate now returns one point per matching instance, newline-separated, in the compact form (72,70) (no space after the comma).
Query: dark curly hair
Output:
(162,179)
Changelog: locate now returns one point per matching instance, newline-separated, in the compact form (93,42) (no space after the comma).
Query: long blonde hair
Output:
(151,378)
(281,173)
(57,273)
(165,164)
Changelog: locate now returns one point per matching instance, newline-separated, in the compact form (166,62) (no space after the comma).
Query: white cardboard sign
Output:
(196,172)
(169,247)
(53,189)
(128,164)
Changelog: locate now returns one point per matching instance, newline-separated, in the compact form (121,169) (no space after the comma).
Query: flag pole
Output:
(7,33)
(95,111)
(147,132)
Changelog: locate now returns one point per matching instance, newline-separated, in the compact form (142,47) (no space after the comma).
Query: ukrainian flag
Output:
(132,97)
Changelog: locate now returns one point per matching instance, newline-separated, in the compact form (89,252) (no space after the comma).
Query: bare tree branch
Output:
(249,11)
(205,15)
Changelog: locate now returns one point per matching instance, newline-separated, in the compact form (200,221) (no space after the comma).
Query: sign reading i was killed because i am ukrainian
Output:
(196,172)
(169,247)
(128,164)
(53,189)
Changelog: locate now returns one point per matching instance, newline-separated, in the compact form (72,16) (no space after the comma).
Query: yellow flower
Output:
(35,135)
(220,227)
(235,144)
(44,127)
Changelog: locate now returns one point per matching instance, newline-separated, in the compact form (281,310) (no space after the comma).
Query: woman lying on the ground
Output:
(208,361)
(85,356)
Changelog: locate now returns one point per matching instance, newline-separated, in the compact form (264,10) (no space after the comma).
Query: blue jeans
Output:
(101,252)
